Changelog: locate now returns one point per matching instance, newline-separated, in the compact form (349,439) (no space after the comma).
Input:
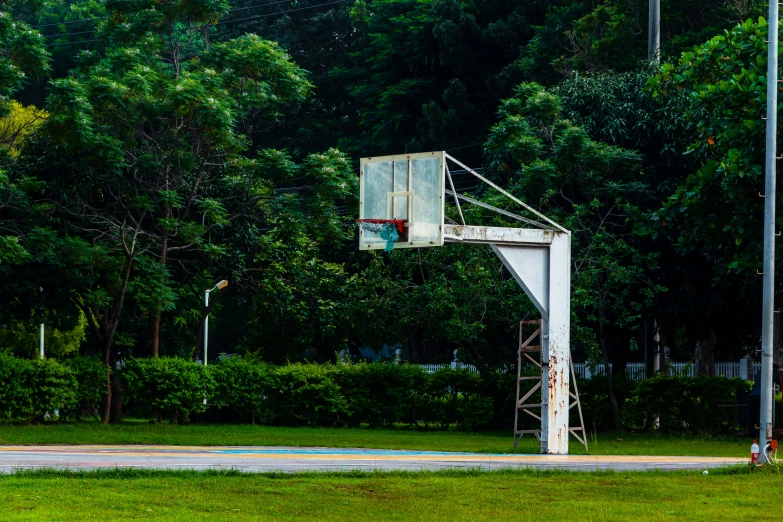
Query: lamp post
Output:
(41,337)
(222,284)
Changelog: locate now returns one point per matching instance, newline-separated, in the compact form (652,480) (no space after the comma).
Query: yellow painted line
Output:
(207,452)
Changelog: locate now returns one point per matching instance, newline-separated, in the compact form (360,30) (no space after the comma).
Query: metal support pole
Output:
(206,330)
(557,346)
(768,299)
(206,325)
(41,342)
(654,32)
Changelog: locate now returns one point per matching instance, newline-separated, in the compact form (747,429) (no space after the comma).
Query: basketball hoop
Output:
(388,229)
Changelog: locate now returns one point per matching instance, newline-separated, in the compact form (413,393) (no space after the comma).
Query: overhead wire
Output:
(282,12)
(224,22)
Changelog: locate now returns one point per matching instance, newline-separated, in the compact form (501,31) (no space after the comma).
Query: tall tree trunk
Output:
(605,353)
(704,358)
(156,334)
(107,399)
(116,399)
(164,250)
(110,322)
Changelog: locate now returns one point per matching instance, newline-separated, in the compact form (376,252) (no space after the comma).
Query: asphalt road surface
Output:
(291,460)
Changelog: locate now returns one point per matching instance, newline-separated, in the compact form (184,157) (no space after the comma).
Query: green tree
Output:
(146,167)
(596,191)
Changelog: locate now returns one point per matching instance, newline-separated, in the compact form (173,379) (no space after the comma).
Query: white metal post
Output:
(206,325)
(41,342)
(557,354)
(540,261)
(654,31)
(768,289)
(206,329)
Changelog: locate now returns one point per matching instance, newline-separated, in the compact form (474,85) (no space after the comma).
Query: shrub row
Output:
(375,394)
(29,389)
(307,394)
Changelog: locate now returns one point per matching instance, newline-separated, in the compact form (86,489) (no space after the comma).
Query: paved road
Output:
(266,459)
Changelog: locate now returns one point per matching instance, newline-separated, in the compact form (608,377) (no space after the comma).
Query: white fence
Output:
(430,368)
(637,371)
(634,371)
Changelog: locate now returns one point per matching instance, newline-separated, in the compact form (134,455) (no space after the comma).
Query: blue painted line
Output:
(345,451)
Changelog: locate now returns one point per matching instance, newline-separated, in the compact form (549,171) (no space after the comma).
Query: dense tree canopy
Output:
(150,148)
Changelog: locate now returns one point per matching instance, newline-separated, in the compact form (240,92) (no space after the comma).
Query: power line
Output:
(72,43)
(464,146)
(69,22)
(67,34)
(257,6)
(282,12)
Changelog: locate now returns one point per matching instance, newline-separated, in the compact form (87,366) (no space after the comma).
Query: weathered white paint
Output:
(497,235)
(543,270)
(558,349)
(530,268)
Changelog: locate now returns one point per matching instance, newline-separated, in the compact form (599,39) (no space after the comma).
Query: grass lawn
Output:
(729,494)
(138,432)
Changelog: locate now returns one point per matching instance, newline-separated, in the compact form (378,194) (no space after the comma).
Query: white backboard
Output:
(409,187)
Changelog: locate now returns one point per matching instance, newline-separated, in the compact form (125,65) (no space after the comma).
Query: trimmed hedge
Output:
(375,394)
(31,388)
(243,388)
(167,387)
(91,386)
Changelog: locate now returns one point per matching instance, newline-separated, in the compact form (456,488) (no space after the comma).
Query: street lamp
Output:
(41,336)
(222,284)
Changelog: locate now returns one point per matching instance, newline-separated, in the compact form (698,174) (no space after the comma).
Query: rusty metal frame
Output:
(524,349)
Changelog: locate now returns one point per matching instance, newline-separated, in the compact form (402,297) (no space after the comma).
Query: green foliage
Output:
(31,388)
(91,385)
(713,209)
(243,388)
(307,395)
(680,404)
(376,394)
(594,190)
(450,396)
(594,397)
(23,54)
(23,339)
(685,403)
(166,387)
(380,394)
(19,125)
(427,75)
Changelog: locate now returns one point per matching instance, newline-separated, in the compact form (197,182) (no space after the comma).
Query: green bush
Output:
(594,397)
(31,388)
(91,387)
(243,387)
(375,394)
(451,396)
(500,388)
(166,387)
(379,394)
(306,394)
(684,403)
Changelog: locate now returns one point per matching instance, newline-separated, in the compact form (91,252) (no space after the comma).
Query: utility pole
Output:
(768,296)
(41,336)
(654,32)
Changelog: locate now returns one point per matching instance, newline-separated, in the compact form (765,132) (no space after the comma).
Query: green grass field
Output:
(728,494)
(402,438)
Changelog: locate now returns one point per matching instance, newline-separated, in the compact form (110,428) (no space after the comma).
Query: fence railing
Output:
(634,371)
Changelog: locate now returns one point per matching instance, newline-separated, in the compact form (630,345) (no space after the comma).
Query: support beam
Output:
(543,270)
(497,235)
